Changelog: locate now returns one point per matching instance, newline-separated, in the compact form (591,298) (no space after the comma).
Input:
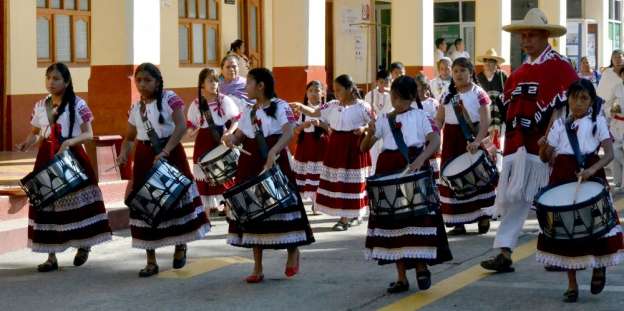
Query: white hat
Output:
(536,19)
(490,54)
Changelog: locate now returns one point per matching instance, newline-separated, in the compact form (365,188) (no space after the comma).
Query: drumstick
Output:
(239,149)
(578,186)
(111,168)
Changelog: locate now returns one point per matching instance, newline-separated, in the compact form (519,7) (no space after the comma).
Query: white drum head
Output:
(461,163)
(395,176)
(563,195)
(215,153)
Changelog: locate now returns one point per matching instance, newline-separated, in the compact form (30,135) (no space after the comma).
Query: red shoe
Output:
(291,271)
(254,278)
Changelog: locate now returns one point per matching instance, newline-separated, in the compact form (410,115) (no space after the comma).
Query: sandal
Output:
(340,226)
(424,279)
(255,278)
(81,256)
(571,295)
(599,278)
(179,263)
(398,287)
(500,263)
(458,230)
(48,266)
(484,225)
(149,270)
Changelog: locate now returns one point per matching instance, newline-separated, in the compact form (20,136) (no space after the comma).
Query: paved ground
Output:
(334,276)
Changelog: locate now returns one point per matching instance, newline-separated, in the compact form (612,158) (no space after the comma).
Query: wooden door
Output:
(252,25)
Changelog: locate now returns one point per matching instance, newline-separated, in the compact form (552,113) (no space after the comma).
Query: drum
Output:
(398,196)
(219,164)
(160,192)
(63,175)
(592,216)
(260,197)
(468,173)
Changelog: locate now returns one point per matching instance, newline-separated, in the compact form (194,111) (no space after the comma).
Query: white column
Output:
(556,13)
(491,16)
(412,35)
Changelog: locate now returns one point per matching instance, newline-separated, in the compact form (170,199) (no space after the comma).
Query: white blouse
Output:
(414,125)
(430,106)
(221,111)
(170,102)
(270,126)
(310,128)
(346,118)
(588,142)
(380,102)
(39,118)
(473,99)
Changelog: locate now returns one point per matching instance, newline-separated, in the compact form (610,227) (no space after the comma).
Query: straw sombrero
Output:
(490,54)
(536,19)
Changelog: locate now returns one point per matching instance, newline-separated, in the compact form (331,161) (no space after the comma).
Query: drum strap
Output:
(398,136)
(466,127)
(156,143)
(580,158)
(214,129)
(263,147)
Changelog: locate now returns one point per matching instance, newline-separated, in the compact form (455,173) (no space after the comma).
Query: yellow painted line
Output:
(454,283)
(202,266)
(465,278)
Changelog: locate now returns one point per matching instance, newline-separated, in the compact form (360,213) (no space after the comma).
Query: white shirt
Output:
(473,99)
(222,111)
(270,126)
(439,86)
(414,124)
(430,106)
(607,83)
(437,55)
(380,102)
(346,118)
(456,54)
(170,102)
(82,112)
(588,142)
(310,128)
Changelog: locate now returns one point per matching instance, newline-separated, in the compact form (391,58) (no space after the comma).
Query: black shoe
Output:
(179,263)
(550,268)
(458,230)
(500,263)
(599,278)
(398,287)
(484,225)
(571,295)
(340,226)
(48,266)
(149,270)
(424,279)
(81,257)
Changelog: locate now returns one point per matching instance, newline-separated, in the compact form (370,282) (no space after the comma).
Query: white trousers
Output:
(511,225)
(618,163)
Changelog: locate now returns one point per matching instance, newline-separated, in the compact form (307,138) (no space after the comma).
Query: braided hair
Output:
(154,72)
(318,131)
(584,85)
(69,96)
(346,82)
(206,73)
(452,90)
(264,76)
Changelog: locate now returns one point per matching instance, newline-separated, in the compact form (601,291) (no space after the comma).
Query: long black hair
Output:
(69,96)
(264,76)
(153,71)
(206,73)
(465,63)
(346,81)
(584,85)
(422,81)
(318,131)
(237,44)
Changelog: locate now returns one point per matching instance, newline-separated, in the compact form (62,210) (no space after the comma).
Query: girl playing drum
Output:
(466,101)
(271,118)
(207,116)
(417,241)
(62,121)
(584,119)
(158,118)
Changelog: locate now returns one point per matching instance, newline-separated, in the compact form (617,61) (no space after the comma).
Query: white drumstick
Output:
(407,169)
(111,168)
(578,186)
(239,149)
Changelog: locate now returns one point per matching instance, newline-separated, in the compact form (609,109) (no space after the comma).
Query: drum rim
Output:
(228,151)
(35,173)
(482,158)
(539,206)
(238,188)
(154,168)
(372,180)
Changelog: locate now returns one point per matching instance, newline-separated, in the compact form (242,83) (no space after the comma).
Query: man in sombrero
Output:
(533,96)
(492,80)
